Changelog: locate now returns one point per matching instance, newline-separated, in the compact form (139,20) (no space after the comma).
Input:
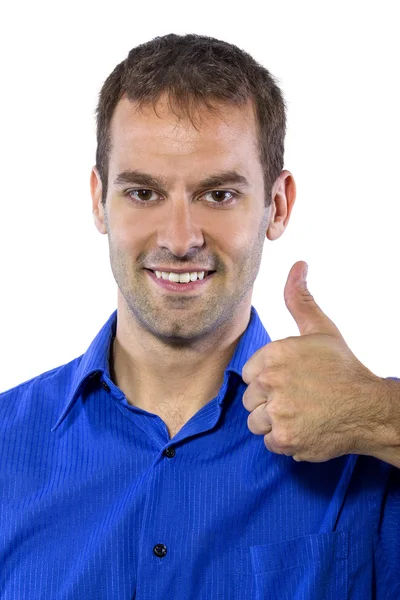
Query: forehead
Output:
(157,133)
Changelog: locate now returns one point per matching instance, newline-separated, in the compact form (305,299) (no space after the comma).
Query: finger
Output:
(258,420)
(262,358)
(253,366)
(257,393)
(270,445)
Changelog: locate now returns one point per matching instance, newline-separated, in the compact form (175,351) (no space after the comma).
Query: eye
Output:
(219,195)
(143,195)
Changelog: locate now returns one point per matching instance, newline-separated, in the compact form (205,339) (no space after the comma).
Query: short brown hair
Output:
(194,70)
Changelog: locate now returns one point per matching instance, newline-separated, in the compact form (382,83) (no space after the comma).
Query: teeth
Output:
(181,277)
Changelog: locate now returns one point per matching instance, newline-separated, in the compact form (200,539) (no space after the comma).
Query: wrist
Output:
(380,436)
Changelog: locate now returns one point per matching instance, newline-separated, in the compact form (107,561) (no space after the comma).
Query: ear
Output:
(283,197)
(96,189)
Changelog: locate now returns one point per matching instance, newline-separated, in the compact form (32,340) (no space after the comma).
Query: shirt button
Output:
(105,386)
(169,452)
(160,550)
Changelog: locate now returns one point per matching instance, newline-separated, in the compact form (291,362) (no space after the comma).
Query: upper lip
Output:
(187,270)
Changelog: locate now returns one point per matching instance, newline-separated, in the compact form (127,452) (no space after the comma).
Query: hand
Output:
(309,396)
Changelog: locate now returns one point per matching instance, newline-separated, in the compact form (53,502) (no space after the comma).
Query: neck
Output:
(157,376)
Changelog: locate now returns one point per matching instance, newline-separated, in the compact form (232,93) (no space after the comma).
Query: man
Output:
(185,455)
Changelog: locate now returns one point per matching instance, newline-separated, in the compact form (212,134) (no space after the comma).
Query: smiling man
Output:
(136,470)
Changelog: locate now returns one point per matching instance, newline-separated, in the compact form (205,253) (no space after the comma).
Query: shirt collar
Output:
(252,339)
(95,361)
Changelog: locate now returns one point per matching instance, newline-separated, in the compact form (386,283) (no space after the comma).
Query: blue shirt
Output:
(96,502)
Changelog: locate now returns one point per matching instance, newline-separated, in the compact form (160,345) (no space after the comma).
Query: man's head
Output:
(183,109)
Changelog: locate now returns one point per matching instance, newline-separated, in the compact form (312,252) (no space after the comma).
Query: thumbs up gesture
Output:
(309,396)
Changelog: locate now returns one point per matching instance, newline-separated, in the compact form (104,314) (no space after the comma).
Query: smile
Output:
(172,281)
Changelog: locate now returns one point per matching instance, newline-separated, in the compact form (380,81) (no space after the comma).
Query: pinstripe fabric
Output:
(93,506)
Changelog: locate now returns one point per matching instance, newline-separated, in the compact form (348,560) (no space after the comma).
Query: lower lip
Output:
(183,288)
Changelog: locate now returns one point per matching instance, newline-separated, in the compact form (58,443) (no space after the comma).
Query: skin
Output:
(171,350)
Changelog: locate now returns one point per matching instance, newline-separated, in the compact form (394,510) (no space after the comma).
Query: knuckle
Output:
(268,378)
(282,438)
(273,410)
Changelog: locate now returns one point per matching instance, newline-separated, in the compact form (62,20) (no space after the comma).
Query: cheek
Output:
(129,233)
(238,239)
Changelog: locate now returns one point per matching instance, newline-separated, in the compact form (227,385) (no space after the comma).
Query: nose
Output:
(179,232)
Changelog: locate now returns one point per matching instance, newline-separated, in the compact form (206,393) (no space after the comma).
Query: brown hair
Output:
(193,70)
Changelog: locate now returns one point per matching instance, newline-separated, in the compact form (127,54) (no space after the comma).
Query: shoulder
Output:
(47,390)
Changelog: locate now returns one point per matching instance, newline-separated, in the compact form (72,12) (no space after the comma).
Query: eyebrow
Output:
(137,177)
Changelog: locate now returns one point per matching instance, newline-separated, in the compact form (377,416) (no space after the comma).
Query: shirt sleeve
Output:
(388,551)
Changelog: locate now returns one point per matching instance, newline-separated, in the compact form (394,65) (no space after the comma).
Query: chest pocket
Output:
(313,567)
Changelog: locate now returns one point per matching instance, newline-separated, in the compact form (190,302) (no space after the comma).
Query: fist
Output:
(310,396)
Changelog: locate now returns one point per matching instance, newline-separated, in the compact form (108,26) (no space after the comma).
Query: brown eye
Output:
(144,194)
(220,196)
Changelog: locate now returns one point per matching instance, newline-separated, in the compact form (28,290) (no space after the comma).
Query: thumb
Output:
(301,304)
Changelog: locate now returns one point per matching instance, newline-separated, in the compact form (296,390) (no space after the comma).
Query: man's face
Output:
(180,223)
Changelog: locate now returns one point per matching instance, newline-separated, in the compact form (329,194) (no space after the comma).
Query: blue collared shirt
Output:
(96,502)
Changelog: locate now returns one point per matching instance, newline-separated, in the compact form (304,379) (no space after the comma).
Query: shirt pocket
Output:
(312,567)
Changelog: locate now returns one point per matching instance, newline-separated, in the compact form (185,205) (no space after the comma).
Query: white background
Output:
(338,66)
